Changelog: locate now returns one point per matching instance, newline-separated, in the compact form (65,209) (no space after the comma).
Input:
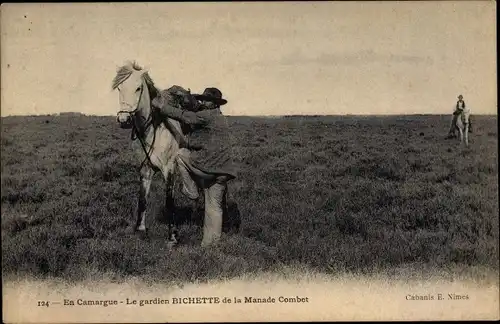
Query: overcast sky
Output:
(267,58)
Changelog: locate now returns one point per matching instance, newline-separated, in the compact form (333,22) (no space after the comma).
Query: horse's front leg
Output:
(146,175)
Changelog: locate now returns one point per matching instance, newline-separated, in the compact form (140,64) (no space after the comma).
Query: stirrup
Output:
(191,193)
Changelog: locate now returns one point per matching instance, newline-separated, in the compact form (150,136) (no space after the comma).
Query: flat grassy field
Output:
(339,194)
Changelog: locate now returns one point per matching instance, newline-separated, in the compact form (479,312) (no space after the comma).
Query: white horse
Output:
(156,143)
(462,125)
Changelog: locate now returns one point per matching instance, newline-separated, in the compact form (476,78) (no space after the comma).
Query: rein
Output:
(136,135)
(136,132)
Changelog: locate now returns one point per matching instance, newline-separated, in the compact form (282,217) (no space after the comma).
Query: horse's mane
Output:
(126,70)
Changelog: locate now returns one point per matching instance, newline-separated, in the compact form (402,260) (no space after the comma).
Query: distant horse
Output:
(462,125)
(156,143)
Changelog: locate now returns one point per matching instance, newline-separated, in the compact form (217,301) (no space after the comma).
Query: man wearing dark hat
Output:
(206,160)
(459,108)
(213,139)
(211,99)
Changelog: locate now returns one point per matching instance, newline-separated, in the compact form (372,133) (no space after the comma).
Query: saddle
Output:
(183,98)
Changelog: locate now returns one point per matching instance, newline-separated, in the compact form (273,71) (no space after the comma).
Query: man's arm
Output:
(167,107)
(181,138)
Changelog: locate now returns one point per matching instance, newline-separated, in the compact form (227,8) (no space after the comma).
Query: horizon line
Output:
(285,115)
(269,115)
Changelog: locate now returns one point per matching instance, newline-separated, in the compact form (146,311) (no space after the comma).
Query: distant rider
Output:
(459,108)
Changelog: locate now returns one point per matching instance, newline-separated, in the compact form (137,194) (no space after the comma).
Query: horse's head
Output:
(134,87)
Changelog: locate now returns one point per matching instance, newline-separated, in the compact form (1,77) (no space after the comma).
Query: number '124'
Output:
(43,303)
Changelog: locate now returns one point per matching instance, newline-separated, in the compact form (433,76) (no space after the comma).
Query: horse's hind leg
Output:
(145,177)
(169,210)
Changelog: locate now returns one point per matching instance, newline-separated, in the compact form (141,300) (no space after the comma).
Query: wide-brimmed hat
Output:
(460,97)
(211,94)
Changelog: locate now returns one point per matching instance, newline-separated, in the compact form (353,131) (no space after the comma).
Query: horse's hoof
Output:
(143,233)
(210,243)
(144,236)
(172,243)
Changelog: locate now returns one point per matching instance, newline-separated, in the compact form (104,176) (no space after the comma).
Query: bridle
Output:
(136,133)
